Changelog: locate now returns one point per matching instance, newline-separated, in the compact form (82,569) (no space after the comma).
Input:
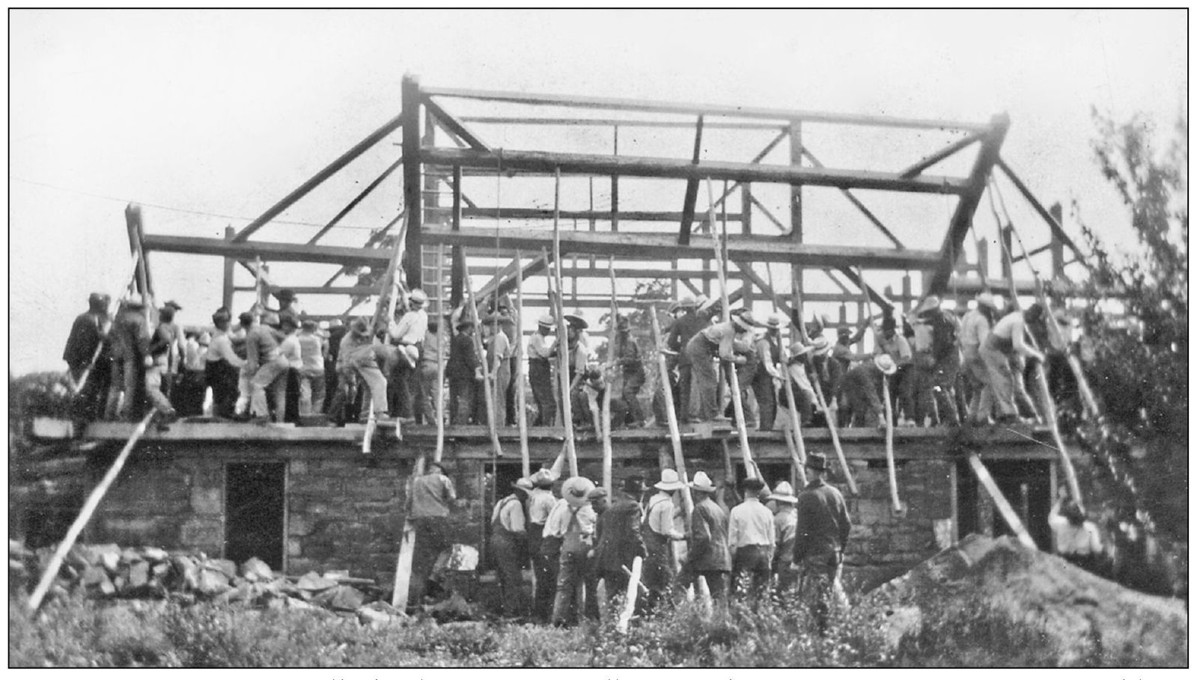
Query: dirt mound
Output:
(1085,618)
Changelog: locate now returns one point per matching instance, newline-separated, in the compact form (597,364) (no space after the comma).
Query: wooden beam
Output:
(697,109)
(227,275)
(639,166)
(964,212)
(269,251)
(858,204)
(453,125)
(544,214)
(665,247)
(357,199)
(693,188)
(325,173)
(410,102)
(617,122)
(356,291)
(876,297)
(1055,227)
(939,156)
(766,287)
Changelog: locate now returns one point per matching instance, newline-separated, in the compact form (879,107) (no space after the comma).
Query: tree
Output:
(1137,357)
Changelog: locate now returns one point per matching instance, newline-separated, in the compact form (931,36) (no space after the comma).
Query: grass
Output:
(77,632)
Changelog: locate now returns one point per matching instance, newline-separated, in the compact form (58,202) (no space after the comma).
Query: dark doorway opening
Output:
(254,512)
(1026,486)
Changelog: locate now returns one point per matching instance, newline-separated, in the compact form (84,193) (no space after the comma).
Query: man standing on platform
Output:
(88,333)
(267,367)
(221,366)
(429,511)
(822,530)
(767,376)
(678,334)
(407,336)
(714,342)
(540,376)
(464,372)
(633,375)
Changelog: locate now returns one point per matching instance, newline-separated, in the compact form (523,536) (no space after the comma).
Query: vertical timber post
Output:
(410,102)
(227,278)
(457,273)
(796,154)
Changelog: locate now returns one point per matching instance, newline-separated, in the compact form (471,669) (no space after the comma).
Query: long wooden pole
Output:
(522,421)
(564,357)
(85,515)
(489,397)
(672,421)
(614,366)
(407,544)
(738,411)
(440,406)
(1002,504)
(893,487)
(801,455)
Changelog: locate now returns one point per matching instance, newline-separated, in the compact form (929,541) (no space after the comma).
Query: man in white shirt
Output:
(541,379)
(1076,539)
(976,325)
(573,521)
(751,538)
(408,336)
(659,533)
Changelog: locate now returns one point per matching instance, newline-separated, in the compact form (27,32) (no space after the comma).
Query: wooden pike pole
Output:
(85,515)
(893,487)
(113,306)
(407,544)
(522,424)
(631,593)
(489,398)
(564,358)
(385,304)
(1002,504)
(440,406)
(672,422)
(799,455)
(613,366)
(738,412)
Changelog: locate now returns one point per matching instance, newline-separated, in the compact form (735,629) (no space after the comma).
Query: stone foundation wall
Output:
(344,510)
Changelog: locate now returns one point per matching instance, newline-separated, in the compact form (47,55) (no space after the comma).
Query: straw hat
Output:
(670,481)
(986,299)
(418,296)
(524,484)
(575,491)
(821,346)
(799,349)
(542,479)
(885,363)
(546,320)
(701,482)
(775,321)
(928,304)
(783,493)
(575,321)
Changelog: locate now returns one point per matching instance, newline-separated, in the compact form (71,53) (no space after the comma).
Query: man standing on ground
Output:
(545,564)
(659,533)
(619,532)
(751,538)
(429,511)
(509,546)
(708,551)
(574,523)
(822,530)
(785,536)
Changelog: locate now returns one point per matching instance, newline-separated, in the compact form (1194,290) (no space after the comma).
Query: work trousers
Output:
(616,582)
(312,390)
(429,392)
(1001,380)
(983,399)
(508,550)
(901,386)
(764,394)
(716,580)
(130,379)
(545,569)
(500,390)
(403,388)
(821,586)
(572,572)
(223,379)
(542,384)
(272,374)
(935,380)
(346,388)
(154,378)
(702,402)
(432,536)
(188,396)
(89,403)
(755,561)
(630,387)
(658,569)
(463,395)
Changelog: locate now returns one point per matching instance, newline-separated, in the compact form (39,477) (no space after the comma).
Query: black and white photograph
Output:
(597,338)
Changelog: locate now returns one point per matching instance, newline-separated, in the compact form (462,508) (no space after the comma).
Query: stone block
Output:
(298,468)
(212,582)
(139,574)
(255,569)
(202,535)
(299,525)
(206,501)
(293,547)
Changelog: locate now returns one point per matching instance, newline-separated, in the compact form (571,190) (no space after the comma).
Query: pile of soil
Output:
(1084,616)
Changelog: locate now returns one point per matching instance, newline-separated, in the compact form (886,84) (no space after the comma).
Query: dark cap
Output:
(174,305)
(633,485)
(285,295)
(752,485)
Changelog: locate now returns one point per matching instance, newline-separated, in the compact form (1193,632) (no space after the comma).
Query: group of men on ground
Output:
(580,539)
(939,370)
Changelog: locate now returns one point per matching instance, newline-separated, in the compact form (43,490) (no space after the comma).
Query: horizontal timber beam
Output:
(697,109)
(547,214)
(618,122)
(679,168)
(665,247)
(269,251)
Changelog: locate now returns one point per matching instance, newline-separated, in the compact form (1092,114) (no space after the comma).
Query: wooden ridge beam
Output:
(324,174)
(697,109)
(665,247)
(939,156)
(675,168)
(545,214)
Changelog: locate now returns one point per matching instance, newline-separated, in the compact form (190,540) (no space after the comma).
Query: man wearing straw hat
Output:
(541,379)
(676,338)
(356,355)
(573,521)
(509,545)
(822,529)
(862,391)
(708,551)
(770,352)
(802,389)
(784,501)
(406,336)
(976,326)
(659,533)
(545,562)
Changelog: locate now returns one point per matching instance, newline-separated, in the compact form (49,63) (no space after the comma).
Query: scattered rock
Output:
(111,561)
(346,599)
(314,583)
(226,567)
(212,582)
(372,617)
(139,574)
(154,554)
(255,569)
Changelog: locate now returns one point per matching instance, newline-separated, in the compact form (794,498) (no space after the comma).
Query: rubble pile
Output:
(109,571)
(1086,616)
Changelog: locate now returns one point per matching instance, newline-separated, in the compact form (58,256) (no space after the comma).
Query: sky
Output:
(206,118)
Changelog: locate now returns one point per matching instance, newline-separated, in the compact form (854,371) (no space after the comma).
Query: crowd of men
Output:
(281,366)
(768,541)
